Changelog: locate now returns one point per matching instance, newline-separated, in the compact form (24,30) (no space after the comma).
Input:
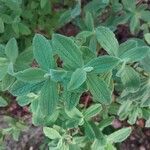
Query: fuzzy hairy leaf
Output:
(99,89)
(68,51)
(130,79)
(51,133)
(11,50)
(103,64)
(72,99)
(1,26)
(107,40)
(92,111)
(31,75)
(147,37)
(89,131)
(48,98)
(119,135)
(42,51)
(3,102)
(20,88)
(127,45)
(77,79)
(135,54)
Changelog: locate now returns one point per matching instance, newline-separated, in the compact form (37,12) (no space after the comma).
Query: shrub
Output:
(116,84)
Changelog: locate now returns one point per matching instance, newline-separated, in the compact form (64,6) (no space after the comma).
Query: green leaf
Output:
(82,36)
(11,50)
(43,3)
(31,75)
(127,45)
(107,40)
(134,23)
(93,44)
(147,125)
(133,116)
(129,5)
(68,51)
(89,21)
(24,29)
(92,111)
(74,113)
(124,109)
(119,135)
(72,99)
(95,6)
(51,133)
(135,54)
(7,81)
(20,88)
(99,89)
(77,79)
(106,122)
(98,133)
(3,102)
(48,98)
(42,51)
(89,131)
(24,100)
(130,79)
(57,75)
(103,64)
(145,15)
(87,54)
(1,26)
(147,37)
(3,71)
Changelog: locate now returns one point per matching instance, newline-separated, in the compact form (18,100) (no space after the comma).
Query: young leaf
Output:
(99,89)
(31,75)
(11,50)
(51,133)
(92,111)
(68,51)
(48,98)
(107,40)
(77,79)
(42,51)
(103,64)
(119,135)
